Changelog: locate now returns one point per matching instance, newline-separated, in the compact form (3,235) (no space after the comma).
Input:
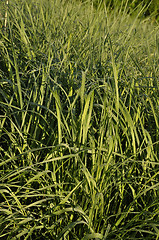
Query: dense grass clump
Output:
(79,123)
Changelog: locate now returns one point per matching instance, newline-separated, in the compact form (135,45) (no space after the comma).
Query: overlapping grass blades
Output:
(79,107)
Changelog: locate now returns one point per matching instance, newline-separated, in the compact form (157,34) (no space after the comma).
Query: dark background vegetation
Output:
(151,7)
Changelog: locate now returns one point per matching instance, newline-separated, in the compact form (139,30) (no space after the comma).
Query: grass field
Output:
(79,122)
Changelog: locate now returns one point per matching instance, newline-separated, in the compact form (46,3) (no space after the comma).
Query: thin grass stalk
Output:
(6,15)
